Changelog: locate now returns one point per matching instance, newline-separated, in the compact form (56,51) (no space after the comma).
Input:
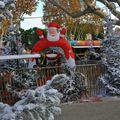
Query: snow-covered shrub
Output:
(42,103)
(111,61)
(6,7)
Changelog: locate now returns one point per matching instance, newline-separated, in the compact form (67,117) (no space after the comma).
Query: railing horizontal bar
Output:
(25,56)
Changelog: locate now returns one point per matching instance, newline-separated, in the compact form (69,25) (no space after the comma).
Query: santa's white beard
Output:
(53,38)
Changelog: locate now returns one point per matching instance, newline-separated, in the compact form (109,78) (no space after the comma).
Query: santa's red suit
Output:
(44,43)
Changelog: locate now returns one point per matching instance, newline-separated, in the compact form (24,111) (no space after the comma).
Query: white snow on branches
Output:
(2,4)
(6,7)
(39,104)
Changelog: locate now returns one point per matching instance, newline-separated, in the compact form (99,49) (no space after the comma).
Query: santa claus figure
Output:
(54,39)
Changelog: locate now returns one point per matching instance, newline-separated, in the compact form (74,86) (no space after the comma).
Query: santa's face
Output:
(52,31)
(53,34)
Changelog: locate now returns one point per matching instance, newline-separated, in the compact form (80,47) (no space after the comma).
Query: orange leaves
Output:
(88,23)
(24,7)
(4,26)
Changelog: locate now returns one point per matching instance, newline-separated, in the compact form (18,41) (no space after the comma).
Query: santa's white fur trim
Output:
(60,28)
(52,28)
(61,35)
(41,37)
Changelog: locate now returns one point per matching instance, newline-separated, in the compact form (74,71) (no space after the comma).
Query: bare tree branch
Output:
(109,5)
(91,8)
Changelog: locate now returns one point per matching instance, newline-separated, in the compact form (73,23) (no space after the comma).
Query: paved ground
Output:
(105,110)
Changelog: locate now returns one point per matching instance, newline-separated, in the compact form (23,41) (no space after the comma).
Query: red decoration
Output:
(60,42)
(96,43)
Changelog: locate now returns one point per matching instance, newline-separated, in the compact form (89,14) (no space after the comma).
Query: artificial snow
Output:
(2,4)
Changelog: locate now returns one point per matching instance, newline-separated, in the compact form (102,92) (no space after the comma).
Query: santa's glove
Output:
(63,32)
(39,33)
(71,63)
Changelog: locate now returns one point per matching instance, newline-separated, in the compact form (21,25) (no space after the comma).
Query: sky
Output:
(34,22)
(37,22)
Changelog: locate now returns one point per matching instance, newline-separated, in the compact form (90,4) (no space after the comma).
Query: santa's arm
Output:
(39,46)
(70,58)
(69,54)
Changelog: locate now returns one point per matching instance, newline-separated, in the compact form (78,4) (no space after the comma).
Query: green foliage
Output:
(29,37)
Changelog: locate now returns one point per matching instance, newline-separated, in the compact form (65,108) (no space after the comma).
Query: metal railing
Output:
(91,71)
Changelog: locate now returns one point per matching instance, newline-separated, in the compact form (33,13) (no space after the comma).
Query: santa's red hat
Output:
(53,25)
(63,32)
(39,33)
